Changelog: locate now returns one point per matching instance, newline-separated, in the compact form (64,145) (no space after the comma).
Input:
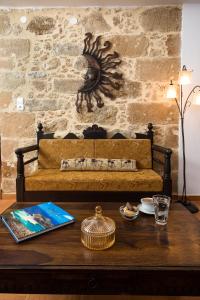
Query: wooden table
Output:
(145,260)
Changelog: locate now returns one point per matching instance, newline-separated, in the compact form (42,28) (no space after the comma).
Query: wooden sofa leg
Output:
(20,186)
(20,189)
(167,181)
(167,187)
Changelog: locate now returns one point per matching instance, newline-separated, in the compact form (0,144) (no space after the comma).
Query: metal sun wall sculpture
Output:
(99,79)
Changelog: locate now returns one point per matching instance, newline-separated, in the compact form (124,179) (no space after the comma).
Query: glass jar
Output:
(98,232)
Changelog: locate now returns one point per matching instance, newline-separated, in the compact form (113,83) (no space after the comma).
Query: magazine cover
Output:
(32,221)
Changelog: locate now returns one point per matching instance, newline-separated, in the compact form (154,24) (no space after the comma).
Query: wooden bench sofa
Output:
(48,183)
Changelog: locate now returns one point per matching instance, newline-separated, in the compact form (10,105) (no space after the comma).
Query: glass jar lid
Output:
(98,224)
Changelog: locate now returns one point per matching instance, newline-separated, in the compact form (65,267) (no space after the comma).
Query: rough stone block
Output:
(130,45)
(156,113)
(6,64)
(9,185)
(80,63)
(4,24)
(67,86)
(37,74)
(54,120)
(97,21)
(20,125)
(39,85)
(159,137)
(174,159)
(126,19)
(106,115)
(8,170)
(8,147)
(162,19)
(52,64)
(171,136)
(41,105)
(41,25)
(5,99)
(56,125)
(67,49)
(10,81)
(155,91)
(173,44)
(18,47)
(157,69)
(130,89)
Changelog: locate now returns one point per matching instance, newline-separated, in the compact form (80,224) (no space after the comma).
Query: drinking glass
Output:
(161,204)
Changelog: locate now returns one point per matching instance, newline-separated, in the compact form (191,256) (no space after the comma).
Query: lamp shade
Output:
(196,98)
(185,76)
(171,91)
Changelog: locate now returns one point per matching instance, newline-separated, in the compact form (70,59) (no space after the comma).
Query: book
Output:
(32,221)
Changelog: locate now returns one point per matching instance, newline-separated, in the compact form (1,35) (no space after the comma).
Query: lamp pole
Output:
(182,108)
(184,79)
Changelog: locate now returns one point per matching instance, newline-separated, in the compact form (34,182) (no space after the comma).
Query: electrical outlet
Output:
(20,103)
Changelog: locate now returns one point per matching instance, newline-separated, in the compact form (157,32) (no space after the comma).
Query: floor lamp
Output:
(182,105)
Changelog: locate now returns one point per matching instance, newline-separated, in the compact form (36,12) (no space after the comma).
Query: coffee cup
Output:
(147,204)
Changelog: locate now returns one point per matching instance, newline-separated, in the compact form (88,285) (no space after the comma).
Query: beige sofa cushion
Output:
(140,150)
(51,152)
(145,180)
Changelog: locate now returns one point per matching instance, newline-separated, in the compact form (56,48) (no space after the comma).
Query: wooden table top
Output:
(140,245)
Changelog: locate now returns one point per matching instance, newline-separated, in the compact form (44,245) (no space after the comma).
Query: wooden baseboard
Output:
(8,196)
(189,197)
(194,198)
(4,204)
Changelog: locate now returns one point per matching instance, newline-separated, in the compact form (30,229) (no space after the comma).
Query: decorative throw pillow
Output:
(121,165)
(98,164)
(73,164)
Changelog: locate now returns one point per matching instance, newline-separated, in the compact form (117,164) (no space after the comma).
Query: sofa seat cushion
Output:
(145,180)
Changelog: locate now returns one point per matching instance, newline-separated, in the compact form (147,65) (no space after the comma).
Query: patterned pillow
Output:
(98,164)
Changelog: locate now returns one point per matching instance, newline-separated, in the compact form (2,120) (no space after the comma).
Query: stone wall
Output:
(41,61)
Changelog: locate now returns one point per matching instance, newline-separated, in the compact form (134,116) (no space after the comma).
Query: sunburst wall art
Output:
(99,78)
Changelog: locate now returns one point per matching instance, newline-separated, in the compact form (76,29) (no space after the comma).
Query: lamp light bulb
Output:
(185,76)
(171,91)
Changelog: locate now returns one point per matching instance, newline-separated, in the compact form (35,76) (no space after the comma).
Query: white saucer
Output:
(145,211)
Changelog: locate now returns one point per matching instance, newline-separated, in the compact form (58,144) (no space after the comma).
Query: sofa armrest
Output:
(20,151)
(161,149)
(20,158)
(166,165)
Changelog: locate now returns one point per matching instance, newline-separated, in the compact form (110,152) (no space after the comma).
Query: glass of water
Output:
(161,205)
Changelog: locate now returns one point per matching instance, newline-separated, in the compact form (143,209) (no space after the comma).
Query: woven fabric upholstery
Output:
(140,150)
(145,180)
(51,152)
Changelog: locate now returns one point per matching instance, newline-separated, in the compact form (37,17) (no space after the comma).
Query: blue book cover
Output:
(32,221)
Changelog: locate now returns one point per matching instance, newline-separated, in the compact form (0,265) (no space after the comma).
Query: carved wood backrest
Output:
(95,132)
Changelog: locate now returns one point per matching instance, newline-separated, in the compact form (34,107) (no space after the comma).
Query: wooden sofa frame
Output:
(94,132)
